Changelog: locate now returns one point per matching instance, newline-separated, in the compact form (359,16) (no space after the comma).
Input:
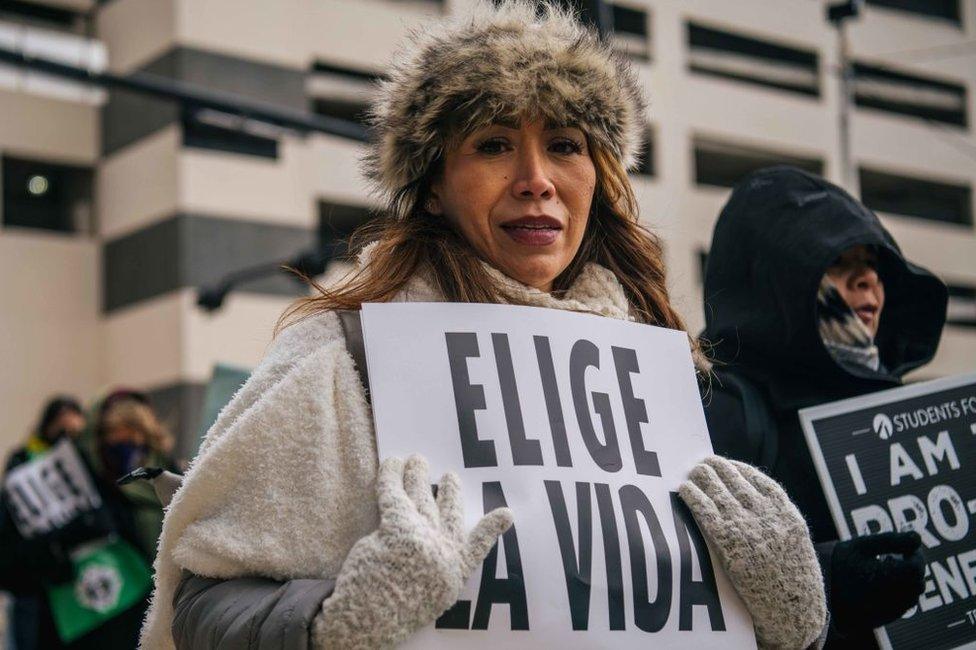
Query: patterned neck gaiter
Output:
(846,338)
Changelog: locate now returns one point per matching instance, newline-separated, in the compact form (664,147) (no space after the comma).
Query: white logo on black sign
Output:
(882,426)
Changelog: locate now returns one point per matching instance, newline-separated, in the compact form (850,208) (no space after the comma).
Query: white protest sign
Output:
(904,459)
(48,492)
(584,426)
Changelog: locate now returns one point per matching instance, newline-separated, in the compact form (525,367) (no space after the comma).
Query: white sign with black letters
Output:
(585,426)
(46,493)
(905,459)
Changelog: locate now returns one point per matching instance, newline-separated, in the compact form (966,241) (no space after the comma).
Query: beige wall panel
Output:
(663,213)
(139,183)
(143,343)
(169,339)
(271,32)
(945,249)
(693,310)
(52,129)
(780,121)
(136,31)
(702,207)
(684,285)
(49,319)
(956,355)
(759,18)
(659,209)
(333,170)
(248,187)
(359,33)
(238,334)
(882,31)
(942,153)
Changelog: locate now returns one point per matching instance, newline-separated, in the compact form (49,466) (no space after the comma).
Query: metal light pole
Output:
(838,14)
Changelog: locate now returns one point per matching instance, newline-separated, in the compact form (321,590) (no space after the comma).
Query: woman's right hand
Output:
(765,548)
(410,570)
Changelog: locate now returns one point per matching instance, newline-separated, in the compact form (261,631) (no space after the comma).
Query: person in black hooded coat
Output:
(780,232)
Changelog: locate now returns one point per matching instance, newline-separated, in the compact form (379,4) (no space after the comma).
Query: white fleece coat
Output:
(284,483)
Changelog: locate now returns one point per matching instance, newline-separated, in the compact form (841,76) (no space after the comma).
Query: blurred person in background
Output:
(502,143)
(61,418)
(128,434)
(809,300)
(124,433)
(27,565)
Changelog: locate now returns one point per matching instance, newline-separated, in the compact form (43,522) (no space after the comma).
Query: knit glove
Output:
(867,591)
(765,548)
(410,570)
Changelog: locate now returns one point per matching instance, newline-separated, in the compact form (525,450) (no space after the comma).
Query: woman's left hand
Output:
(765,548)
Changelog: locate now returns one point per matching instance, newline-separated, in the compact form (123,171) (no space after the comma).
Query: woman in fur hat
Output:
(502,142)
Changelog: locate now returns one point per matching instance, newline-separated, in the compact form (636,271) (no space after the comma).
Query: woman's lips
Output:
(867,314)
(533,231)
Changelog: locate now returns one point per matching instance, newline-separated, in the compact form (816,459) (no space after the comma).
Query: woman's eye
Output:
(566,146)
(492,146)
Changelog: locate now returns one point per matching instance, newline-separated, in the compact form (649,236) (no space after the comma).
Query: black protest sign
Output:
(585,427)
(48,492)
(905,459)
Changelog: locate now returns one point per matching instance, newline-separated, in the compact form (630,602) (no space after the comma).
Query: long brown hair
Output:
(614,238)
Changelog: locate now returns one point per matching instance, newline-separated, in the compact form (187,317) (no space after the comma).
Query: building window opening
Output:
(338,221)
(721,164)
(940,9)
(906,94)
(749,60)
(631,35)
(217,131)
(36,14)
(339,92)
(961,310)
(916,197)
(46,196)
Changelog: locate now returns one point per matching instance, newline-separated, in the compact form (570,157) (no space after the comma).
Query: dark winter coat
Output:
(773,241)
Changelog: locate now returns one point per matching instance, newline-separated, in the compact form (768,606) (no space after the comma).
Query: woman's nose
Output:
(865,279)
(532,176)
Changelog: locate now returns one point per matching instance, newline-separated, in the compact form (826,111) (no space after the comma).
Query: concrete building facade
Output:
(118,207)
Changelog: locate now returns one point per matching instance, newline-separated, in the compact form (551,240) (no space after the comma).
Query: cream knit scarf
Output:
(846,338)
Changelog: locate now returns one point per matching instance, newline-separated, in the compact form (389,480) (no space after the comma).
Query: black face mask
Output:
(123,457)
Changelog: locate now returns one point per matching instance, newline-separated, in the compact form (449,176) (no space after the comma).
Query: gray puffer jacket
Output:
(246,613)
(253,613)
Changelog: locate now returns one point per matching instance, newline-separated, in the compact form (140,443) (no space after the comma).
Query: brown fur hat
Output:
(498,62)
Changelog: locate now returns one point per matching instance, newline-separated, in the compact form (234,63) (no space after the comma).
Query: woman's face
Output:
(520,196)
(124,434)
(855,274)
(68,423)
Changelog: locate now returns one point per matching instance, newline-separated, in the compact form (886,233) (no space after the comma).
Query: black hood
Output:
(777,235)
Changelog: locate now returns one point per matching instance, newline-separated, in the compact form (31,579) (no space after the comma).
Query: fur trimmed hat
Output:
(496,63)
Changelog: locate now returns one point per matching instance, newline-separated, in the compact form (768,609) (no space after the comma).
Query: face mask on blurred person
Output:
(120,458)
